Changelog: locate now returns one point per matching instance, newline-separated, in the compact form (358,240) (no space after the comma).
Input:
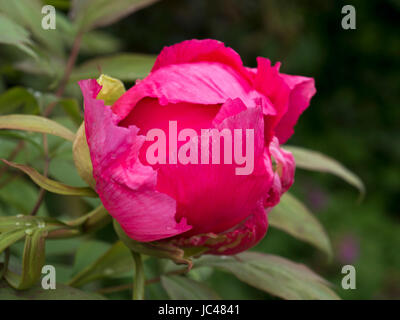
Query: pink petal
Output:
(149,114)
(207,83)
(126,187)
(242,237)
(207,50)
(192,184)
(267,80)
(284,172)
(228,109)
(246,235)
(302,89)
(213,197)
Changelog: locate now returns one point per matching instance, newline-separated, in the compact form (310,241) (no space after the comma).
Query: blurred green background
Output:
(354,117)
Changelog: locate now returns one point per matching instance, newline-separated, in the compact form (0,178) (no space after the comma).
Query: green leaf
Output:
(10,195)
(63,247)
(21,135)
(50,66)
(93,43)
(182,288)
(273,274)
(71,107)
(9,237)
(316,161)
(100,43)
(35,230)
(291,216)
(17,97)
(62,292)
(59,4)
(200,274)
(23,222)
(33,260)
(117,261)
(92,221)
(36,124)
(14,34)
(115,66)
(28,13)
(89,14)
(88,252)
(51,185)
(65,171)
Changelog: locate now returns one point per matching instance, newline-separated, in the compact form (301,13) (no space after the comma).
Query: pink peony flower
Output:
(199,84)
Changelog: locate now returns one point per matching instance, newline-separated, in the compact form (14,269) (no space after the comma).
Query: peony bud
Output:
(169,191)
(111,89)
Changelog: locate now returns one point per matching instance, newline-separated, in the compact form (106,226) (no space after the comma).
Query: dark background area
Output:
(354,117)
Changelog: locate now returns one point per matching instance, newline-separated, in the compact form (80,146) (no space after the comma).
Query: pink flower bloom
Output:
(200,84)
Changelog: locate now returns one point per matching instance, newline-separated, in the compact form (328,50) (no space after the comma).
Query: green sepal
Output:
(159,249)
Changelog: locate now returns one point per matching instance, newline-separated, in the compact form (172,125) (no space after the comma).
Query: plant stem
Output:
(42,192)
(139,281)
(67,73)
(92,221)
(13,154)
(5,264)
